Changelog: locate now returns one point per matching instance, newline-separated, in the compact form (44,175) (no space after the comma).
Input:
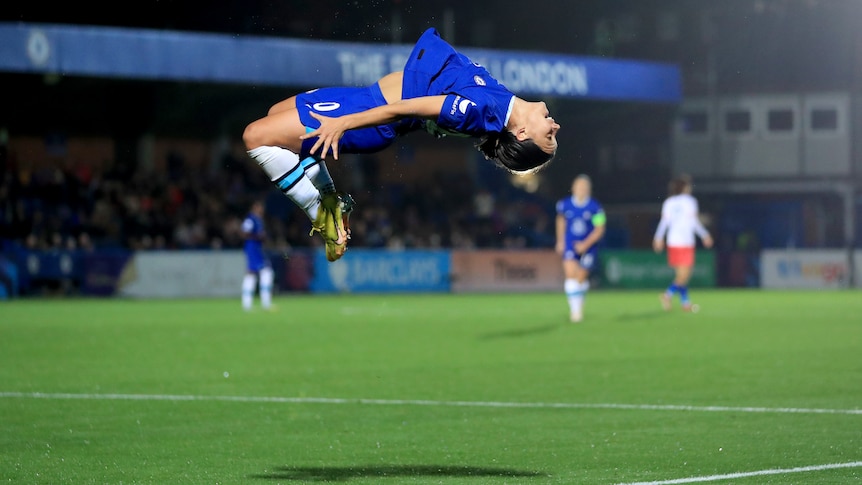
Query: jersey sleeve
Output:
(560,207)
(599,218)
(463,115)
(664,223)
(698,226)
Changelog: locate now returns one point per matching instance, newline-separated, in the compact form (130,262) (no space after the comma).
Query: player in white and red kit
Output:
(678,226)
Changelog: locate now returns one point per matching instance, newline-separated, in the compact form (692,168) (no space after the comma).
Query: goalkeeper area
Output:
(758,387)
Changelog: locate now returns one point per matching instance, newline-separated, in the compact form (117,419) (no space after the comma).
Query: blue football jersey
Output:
(254,234)
(476,103)
(580,219)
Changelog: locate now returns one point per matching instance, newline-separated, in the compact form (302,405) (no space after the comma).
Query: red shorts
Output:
(680,256)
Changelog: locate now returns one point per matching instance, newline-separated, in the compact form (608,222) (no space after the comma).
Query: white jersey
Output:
(679,220)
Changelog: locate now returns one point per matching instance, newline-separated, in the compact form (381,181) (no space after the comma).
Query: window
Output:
(694,122)
(780,120)
(737,121)
(824,119)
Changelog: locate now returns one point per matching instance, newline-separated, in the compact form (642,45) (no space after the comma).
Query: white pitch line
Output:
(424,402)
(777,471)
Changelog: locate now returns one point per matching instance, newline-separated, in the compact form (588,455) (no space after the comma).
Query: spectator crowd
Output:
(79,206)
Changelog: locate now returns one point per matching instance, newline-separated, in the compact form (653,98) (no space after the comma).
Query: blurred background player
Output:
(257,263)
(680,223)
(580,226)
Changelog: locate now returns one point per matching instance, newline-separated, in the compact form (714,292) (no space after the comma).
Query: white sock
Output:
(319,175)
(573,294)
(583,288)
(284,170)
(266,277)
(248,283)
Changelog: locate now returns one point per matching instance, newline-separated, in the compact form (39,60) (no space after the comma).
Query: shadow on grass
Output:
(520,332)
(345,473)
(639,316)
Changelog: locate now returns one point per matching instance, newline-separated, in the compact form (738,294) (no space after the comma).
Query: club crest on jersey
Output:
(478,80)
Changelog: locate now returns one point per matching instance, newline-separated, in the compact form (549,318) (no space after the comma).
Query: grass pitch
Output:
(443,389)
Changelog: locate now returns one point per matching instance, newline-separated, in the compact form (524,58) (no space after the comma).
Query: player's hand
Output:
(707,242)
(581,247)
(328,134)
(658,245)
(560,247)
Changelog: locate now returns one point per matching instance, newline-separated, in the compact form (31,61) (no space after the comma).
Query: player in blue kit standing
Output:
(580,226)
(440,90)
(257,264)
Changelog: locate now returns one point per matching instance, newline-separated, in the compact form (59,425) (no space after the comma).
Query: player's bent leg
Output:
(284,170)
(317,172)
(281,129)
(287,104)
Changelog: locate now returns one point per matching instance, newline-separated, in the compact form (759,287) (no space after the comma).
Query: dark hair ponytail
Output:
(518,157)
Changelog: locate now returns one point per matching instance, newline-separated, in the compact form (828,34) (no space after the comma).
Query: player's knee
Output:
(252,136)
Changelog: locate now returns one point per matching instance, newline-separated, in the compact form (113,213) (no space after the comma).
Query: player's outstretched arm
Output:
(701,231)
(331,130)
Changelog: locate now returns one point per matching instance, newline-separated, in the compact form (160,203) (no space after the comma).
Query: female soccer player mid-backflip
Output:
(439,90)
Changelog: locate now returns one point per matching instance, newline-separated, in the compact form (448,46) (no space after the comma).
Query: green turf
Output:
(431,361)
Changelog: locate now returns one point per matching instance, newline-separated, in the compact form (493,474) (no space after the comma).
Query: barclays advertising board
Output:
(381,271)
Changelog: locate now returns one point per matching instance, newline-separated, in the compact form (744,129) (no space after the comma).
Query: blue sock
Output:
(683,294)
(672,289)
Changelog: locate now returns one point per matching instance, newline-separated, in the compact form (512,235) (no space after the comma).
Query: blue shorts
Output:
(586,260)
(339,101)
(255,261)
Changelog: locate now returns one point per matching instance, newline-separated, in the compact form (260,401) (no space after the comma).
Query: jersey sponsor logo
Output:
(326,106)
(464,104)
(460,104)
(478,80)
(579,227)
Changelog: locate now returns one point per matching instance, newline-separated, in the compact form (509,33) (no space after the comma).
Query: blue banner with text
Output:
(186,56)
(382,271)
